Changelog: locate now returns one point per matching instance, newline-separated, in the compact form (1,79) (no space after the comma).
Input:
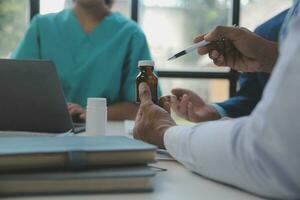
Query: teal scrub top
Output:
(102,63)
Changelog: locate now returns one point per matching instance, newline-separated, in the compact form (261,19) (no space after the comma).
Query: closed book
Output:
(109,180)
(72,152)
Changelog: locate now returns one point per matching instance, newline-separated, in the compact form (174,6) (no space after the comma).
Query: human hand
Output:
(165,103)
(77,112)
(152,121)
(191,107)
(243,50)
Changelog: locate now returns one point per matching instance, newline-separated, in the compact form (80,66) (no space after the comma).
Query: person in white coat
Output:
(259,153)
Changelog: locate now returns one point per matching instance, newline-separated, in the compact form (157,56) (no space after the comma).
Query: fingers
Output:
(217,58)
(164,102)
(220,61)
(224,46)
(167,107)
(214,54)
(199,38)
(215,37)
(178,92)
(228,32)
(83,116)
(206,49)
(144,93)
(175,104)
(75,109)
(72,105)
(183,105)
(192,116)
(179,107)
(75,112)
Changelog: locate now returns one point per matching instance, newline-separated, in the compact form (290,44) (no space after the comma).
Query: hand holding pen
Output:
(220,45)
(239,49)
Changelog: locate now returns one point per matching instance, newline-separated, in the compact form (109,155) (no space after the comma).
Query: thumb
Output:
(144,93)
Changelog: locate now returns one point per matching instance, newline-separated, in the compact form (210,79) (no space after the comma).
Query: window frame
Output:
(232,76)
(34,8)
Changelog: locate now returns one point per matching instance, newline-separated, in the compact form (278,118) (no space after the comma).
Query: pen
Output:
(190,49)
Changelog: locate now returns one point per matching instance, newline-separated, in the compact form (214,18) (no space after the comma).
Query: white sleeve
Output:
(259,153)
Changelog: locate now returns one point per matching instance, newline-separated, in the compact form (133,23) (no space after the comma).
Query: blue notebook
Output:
(73,152)
(109,180)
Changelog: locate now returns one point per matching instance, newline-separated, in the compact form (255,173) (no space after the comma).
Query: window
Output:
(53,6)
(255,12)
(171,26)
(123,6)
(211,90)
(14,18)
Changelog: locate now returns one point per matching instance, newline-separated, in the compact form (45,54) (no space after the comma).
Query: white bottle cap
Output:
(146,63)
(97,102)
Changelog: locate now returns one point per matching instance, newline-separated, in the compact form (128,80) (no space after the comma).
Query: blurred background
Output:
(170,26)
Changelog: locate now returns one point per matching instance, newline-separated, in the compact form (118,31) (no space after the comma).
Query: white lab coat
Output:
(259,153)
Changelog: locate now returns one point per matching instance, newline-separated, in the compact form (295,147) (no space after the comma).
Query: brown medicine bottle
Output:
(146,75)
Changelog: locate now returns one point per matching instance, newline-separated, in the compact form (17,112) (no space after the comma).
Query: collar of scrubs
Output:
(74,32)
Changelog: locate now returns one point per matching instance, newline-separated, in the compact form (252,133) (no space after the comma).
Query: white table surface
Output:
(177,183)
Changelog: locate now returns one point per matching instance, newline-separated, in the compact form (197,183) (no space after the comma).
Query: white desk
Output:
(176,183)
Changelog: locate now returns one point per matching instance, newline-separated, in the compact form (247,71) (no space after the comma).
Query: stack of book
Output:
(59,165)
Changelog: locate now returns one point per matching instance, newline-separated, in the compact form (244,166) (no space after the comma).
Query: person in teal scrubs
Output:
(96,53)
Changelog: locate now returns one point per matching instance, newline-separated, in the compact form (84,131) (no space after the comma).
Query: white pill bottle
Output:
(96,117)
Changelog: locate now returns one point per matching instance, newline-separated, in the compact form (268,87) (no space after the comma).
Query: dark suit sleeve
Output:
(252,84)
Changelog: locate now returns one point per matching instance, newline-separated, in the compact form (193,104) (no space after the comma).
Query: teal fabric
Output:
(102,63)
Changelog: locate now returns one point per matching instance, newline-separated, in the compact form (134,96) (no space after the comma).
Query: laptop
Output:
(31,98)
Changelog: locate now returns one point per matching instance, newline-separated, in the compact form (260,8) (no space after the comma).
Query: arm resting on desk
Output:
(117,112)
(122,111)
(259,153)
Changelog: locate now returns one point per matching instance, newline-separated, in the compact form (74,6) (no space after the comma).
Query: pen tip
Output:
(172,58)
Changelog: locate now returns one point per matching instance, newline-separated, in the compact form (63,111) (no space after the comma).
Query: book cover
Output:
(32,153)
(107,180)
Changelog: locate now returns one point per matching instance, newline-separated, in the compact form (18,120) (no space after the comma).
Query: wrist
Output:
(213,113)
(163,130)
(269,54)
(220,110)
